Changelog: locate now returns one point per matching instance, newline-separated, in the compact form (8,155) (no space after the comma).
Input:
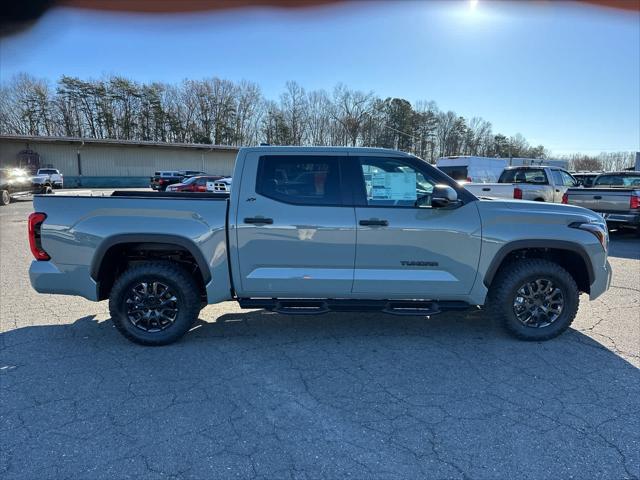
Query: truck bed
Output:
(79,229)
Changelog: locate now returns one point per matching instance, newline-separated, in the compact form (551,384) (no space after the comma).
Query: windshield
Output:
(618,181)
(189,181)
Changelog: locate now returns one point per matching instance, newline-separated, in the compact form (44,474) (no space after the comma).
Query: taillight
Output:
(634,200)
(565,198)
(469,179)
(517,193)
(35,242)
(160,181)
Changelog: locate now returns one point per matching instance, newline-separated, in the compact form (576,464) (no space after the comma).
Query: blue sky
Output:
(563,75)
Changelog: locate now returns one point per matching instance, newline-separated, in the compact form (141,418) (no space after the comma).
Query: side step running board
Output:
(316,306)
(412,308)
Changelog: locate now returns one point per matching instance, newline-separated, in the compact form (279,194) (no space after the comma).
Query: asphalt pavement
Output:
(260,395)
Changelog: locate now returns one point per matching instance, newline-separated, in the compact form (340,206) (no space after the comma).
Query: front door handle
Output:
(374,222)
(597,197)
(258,220)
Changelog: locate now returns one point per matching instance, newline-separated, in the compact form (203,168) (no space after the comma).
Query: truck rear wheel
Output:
(5,198)
(154,303)
(534,299)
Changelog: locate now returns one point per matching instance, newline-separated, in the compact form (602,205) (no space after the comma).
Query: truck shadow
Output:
(259,394)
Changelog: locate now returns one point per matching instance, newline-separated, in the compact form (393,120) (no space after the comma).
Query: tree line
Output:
(222,112)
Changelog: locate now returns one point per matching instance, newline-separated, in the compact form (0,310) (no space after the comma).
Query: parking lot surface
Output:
(259,395)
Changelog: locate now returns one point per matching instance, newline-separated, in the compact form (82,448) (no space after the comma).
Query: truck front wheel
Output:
(154,303)
(534,299)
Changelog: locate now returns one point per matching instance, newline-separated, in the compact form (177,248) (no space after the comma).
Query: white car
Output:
(52,175)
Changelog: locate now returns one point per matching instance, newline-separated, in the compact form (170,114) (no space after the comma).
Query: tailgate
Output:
(500,190)
(600,199)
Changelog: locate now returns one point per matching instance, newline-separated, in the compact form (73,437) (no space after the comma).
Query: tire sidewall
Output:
(5,198)
(569,293)
(184,318)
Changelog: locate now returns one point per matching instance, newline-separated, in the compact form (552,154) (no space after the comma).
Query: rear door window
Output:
(300,180)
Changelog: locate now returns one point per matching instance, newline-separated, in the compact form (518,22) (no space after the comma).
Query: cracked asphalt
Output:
(258,395)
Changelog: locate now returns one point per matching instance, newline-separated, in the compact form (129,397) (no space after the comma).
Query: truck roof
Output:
(536,167)
(352,150)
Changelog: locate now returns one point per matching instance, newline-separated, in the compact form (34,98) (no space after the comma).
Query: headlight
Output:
(599,230)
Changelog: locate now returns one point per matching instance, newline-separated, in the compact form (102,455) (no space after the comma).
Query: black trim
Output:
(314,306)
(185,243)
(505,250)
(258,220)
(171,195)
(226,233)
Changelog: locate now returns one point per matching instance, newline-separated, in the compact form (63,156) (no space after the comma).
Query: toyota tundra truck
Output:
(308,230)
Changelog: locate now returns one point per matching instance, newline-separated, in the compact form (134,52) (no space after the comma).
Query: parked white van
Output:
(472,169)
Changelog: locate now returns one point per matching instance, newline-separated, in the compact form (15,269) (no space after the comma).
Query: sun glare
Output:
(473,4)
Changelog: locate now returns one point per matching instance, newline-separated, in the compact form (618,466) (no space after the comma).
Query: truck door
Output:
(296,232)
(404,250)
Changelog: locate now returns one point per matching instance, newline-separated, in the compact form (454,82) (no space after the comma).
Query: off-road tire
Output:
(503,292)
(5,198)
(182,284)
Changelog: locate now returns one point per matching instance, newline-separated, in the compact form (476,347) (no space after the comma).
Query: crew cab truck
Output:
(312,230)
(541,184)
(615,195)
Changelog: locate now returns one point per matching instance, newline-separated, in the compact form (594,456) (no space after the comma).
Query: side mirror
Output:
(443,196)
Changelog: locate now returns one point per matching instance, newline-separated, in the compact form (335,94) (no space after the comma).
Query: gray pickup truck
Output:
(312,230)
(615,195)
(541,184)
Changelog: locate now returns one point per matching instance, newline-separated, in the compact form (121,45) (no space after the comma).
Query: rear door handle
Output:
(258,220)
(373,222)
(597,197)
(486,189)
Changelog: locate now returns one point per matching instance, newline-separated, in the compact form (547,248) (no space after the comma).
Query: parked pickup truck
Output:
(312,230)
(15,182)
(615,195)
(542,184)
(50,176)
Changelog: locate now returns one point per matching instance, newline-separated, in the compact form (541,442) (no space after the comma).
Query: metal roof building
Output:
(93,162)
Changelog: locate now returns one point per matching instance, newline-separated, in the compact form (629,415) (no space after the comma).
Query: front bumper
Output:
(602,280)
(48,277)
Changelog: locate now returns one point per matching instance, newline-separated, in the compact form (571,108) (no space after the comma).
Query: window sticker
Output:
(392,186)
